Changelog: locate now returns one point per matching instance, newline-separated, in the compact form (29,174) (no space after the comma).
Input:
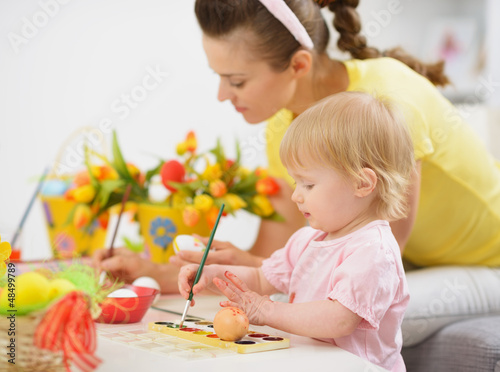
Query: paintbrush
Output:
(28,208)
(109,253)
(200,268)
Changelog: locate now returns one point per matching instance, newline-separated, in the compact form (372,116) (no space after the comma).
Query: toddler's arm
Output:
(252,275)
(319,319)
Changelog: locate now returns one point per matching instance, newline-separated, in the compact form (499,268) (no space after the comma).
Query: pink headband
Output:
(284,14)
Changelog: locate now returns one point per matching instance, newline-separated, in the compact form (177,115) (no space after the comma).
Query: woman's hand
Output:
(124,264)
(127,266)
(256,307)
(223,253)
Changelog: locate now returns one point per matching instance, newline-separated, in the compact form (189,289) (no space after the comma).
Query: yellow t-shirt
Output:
(458,218)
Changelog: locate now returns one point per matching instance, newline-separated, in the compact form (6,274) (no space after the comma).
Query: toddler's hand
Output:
(186,278)
(256,307)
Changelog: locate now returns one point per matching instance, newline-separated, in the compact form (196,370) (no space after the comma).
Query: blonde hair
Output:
(350,131)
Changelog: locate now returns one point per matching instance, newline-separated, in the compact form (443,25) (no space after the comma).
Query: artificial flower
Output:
(172,171)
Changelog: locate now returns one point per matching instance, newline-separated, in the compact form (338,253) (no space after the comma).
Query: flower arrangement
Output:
(201,183)
(197,183)
(97,188)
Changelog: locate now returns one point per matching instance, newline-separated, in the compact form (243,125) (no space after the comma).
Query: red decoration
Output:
(68,327)
(174,171)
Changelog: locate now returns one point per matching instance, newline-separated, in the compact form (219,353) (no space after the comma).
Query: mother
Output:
(272,61)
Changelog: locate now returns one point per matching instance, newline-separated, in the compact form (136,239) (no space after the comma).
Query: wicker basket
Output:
(28,357)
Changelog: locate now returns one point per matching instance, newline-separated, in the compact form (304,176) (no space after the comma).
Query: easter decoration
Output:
(197,184)
(188,243)
(231,324)
(47,317)
(77,205)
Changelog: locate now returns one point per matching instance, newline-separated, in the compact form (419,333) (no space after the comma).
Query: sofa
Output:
(471,345)
(451,324)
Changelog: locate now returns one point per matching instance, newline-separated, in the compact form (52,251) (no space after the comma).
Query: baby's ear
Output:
(366,184)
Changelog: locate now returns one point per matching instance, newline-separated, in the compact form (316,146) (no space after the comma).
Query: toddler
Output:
(351,157)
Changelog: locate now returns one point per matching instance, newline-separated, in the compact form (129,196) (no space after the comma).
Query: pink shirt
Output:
(363,271)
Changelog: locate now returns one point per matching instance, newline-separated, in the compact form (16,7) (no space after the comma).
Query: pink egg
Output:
(231,324)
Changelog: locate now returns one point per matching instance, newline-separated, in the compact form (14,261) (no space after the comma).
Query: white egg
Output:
(148,282)
(187,243)
(123,293)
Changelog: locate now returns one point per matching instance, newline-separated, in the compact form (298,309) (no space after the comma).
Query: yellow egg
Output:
(31,289)
(231,324)
(59,287)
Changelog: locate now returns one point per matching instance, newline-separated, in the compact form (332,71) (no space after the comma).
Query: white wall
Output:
(68,64)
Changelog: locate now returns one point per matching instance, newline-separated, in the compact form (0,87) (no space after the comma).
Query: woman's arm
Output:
(402,228)
(273,235)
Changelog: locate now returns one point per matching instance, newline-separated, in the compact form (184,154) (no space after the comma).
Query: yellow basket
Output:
(19,344)
(66,240)
(160,225)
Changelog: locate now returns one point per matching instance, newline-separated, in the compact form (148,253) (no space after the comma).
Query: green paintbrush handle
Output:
(205,254)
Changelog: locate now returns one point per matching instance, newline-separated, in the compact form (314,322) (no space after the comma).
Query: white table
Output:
(304,353)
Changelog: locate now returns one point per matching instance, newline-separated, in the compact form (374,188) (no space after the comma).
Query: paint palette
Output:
(160,343)
(202,331)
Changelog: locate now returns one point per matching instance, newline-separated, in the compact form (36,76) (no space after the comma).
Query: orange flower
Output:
(190,216)
(82,178)
(106,173)
(103,219)
(191,143)
(267,186)
(229,163)
(217,188)
(211,216)
(82,216)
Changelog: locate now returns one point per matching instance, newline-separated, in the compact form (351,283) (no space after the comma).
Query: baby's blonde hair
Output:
(350,131)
